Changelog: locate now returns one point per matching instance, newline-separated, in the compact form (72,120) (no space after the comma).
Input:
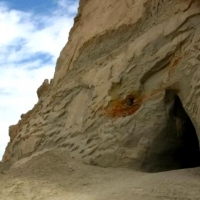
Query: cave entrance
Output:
(177,146)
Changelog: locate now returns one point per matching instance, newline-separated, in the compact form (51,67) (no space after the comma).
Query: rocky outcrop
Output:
(125,90)
(44,87)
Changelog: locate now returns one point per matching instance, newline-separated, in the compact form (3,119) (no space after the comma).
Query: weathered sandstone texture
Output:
(126,89)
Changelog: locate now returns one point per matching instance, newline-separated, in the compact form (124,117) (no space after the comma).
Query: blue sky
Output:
(33,32)
(36,6)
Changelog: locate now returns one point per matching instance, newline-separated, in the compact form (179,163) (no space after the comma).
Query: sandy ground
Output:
(53,175)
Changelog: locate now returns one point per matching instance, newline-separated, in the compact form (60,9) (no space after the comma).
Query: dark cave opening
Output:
(177,146)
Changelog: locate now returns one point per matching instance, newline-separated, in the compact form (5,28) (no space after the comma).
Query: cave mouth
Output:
(177,146)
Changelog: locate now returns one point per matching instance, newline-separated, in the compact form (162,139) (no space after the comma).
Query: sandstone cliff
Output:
(125,90)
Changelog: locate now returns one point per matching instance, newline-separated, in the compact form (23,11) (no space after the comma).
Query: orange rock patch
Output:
(123,107)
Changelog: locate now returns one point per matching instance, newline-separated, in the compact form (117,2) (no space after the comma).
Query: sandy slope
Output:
(54,175)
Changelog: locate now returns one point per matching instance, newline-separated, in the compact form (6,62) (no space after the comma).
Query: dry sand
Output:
(53,175)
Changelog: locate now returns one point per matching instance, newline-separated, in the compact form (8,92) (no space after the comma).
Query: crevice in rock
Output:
(177,146)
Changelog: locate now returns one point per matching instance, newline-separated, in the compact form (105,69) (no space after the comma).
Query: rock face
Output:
(125,90)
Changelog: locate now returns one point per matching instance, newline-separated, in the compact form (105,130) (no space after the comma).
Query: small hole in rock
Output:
(129,100)
(89,141)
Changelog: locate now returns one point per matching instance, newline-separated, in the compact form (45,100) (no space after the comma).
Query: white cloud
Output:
(29,47)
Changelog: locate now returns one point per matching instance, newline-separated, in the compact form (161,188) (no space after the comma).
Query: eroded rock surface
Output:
(116,81)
